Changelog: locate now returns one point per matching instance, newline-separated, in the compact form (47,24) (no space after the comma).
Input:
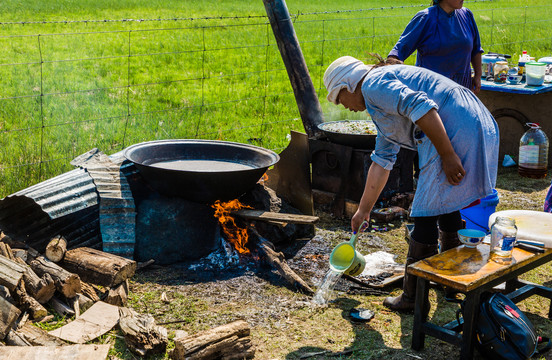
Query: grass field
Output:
(75,76)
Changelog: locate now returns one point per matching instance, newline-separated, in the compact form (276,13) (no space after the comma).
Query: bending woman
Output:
(455,135)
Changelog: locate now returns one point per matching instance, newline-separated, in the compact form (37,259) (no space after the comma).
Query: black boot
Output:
(406,301)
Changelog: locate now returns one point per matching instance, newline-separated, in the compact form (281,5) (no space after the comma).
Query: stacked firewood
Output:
(67,281)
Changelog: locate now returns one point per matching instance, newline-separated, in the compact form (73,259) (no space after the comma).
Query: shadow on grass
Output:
(509,179)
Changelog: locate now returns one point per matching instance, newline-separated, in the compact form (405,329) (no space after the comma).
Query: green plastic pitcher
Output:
(346,259)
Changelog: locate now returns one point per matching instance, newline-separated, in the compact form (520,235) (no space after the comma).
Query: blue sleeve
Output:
(476,38)
(387,94)
(411,36)
(385,153)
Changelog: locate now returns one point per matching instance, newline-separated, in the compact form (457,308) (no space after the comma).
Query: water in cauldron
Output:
(201,165)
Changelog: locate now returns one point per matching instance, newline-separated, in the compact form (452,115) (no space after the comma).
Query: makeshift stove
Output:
(339,174)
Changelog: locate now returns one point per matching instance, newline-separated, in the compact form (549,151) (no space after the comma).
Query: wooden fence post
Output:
(303,88)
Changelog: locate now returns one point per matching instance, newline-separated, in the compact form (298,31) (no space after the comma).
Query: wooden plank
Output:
(96,321)
(70,352)
(466,269)
(273,216)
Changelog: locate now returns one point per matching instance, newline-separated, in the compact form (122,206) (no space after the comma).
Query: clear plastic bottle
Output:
(533,153)
(524,58)
(503,239)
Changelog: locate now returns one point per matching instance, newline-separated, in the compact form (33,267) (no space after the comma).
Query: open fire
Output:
(235,234)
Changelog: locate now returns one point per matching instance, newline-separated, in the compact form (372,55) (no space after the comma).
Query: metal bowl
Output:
(351,133)
(201,170)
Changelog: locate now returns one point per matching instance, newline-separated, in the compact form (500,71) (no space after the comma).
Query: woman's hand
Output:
(452,166)
(358,218)
(476,84)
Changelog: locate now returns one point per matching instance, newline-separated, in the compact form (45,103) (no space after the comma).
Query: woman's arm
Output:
(476,81)
(432,125)
(375,182)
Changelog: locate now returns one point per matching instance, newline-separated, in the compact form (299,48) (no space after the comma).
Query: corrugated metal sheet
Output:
(66,205)
(117,211)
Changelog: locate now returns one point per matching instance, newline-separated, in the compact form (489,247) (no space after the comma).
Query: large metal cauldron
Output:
(359,134)
(201,170)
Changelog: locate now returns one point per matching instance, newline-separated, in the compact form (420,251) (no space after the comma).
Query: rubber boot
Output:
(406,301)
(449,240)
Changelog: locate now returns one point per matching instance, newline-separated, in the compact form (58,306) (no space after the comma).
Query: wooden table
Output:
(514,105)
(470,272)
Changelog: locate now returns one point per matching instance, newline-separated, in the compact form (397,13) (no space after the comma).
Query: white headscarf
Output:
(345,72)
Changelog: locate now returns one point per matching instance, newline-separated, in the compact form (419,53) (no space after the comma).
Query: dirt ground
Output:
(286,324)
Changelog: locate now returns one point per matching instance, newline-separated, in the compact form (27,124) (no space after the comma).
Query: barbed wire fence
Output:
(70,86)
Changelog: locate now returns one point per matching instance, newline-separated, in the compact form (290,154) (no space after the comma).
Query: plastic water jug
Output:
(533,153)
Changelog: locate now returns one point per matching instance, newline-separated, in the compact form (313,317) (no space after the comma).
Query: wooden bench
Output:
(469,271)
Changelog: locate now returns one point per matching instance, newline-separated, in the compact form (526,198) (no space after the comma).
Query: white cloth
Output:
(345,72)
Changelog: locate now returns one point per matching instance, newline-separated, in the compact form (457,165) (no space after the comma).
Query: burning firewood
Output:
(230,341)
(66,283)
(56,248)
(98,267)
(278,261)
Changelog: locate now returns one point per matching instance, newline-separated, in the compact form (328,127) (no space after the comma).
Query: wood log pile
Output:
(67,282)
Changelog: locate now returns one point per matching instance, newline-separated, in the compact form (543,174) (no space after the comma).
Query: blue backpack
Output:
(504,332)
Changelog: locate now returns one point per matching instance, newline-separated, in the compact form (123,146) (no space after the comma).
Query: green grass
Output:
(214,73)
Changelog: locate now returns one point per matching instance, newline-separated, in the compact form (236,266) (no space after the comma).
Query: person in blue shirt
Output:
(446,39)
(455,135)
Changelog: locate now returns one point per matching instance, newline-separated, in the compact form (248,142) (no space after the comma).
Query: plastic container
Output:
(501,72)
(487,65)
(524,58)
(503,239)
(477,216)
(535,72)
(533,153)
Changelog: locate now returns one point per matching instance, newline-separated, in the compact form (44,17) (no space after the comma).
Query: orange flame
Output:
(234,234)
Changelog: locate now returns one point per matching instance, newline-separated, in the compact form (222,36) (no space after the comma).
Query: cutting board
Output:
(531,225)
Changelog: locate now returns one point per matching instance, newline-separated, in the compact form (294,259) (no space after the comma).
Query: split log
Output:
(30,335)
(11,273)
(8,316)
(5,250)
(90,291)
(99,267)
(66,283)
(61,308)
(85,302)
(118,296)
(28,303)
(41,288)
(56,248)
(230,341)
(142,336)
(278,261)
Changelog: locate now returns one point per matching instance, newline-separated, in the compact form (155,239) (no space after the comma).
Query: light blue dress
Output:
(396,97)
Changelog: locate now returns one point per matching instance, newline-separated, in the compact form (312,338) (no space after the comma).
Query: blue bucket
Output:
(477,217)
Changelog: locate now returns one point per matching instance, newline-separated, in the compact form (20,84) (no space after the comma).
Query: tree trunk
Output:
(98,267)
(66,283)
(230,341)
(56,248)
